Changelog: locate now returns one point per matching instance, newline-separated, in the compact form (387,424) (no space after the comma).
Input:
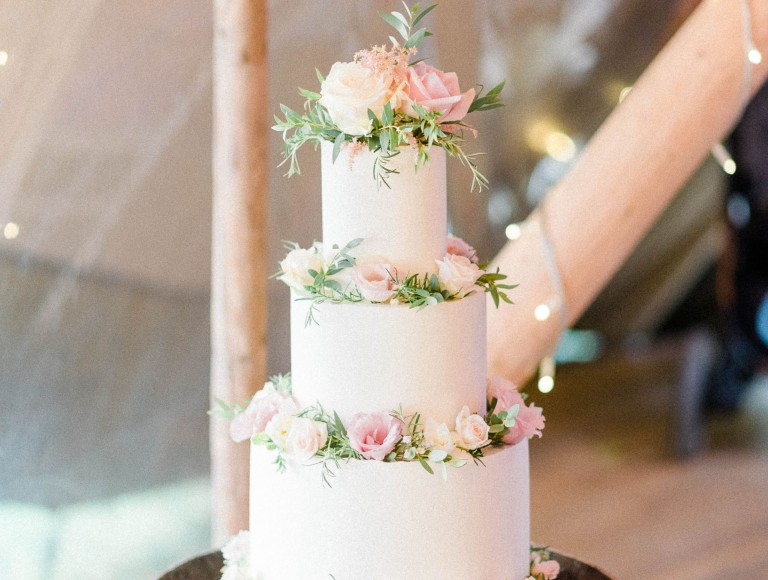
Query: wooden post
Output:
(686,101)
(239,269)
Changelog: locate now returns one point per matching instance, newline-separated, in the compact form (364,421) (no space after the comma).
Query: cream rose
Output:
(305,438)
(471,430)
(438,436)
(457,274)
(296,266)
(349,90)
(280,425)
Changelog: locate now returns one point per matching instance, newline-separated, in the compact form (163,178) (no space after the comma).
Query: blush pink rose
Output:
(373,278)
(528,423)
(459,247)
(374,434)
(547,570)
(505,392)
(254,419)
(436,90)
(457,274)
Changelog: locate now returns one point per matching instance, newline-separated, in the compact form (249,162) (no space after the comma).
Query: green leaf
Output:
(410,454)
(320,76)
(387,117)
(339,425)
(395,23)
(426,466)
(496,429)
(458,462)
(437,455)
(423,13)
(312,96)
(417,38)
(384,141)
(337,146)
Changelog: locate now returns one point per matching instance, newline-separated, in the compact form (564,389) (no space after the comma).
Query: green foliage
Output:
(404,24)
(489,101)
(394,130)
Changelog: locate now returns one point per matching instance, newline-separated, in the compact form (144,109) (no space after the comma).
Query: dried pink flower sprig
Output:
(382,100)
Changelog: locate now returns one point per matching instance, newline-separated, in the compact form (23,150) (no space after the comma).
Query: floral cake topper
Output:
(384,100)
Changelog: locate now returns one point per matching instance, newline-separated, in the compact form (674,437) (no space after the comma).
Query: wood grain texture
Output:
(685,102)
(239,270)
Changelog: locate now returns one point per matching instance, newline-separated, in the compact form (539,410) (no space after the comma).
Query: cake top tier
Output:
(384,101)
(405,224)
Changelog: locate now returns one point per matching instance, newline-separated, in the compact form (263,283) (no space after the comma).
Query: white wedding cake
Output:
(382,520)
(388,453)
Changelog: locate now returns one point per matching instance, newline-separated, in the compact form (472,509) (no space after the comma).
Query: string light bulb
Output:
(547,374)
(11,231)
(542,312)
(723,157)
(3,57)
(624,92)
(513,231)
(754,56)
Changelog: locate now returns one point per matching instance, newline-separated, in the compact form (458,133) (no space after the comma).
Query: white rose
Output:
(306,438)
(280,425)
(236,552)
(471,430)
(296,266)
(349,90)
(457,273)
(438,436)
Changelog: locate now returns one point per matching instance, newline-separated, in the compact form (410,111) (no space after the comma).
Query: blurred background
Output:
(105,227)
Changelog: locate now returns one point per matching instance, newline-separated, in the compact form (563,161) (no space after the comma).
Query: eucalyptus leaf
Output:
(337,146)
(437,455)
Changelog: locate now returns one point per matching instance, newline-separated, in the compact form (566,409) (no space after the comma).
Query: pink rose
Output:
(547,570)
(529,422)
(259,412)
(436,90)
(505,392)
(457,274)
(459,247)
(373,278)
(374,434)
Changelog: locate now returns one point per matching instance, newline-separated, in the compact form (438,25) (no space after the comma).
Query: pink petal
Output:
(459,110)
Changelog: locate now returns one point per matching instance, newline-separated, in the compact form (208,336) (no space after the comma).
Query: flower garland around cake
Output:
(337,276)
(383,101)
(312,435)
(237,561)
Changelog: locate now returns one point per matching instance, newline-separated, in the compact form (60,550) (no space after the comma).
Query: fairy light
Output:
(723,157)
(560,146)
(755,56)
(546,380)
(546,384)
(624,92)
(542,312)
(3,57)
(513,231)
(11,231)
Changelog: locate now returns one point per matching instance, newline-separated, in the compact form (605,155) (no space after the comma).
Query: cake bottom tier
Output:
(391,521)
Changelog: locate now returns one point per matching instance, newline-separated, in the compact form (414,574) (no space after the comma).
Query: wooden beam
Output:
(687,100)
(239,269)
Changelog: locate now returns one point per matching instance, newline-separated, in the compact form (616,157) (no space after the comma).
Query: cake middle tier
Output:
(406,223)
(360,357)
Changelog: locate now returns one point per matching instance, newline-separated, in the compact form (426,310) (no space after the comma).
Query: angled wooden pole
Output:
(686,101)
(239,270)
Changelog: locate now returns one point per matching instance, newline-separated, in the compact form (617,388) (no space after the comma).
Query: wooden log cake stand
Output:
(208,567)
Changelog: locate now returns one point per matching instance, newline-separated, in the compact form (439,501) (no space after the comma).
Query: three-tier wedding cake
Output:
(387,453)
